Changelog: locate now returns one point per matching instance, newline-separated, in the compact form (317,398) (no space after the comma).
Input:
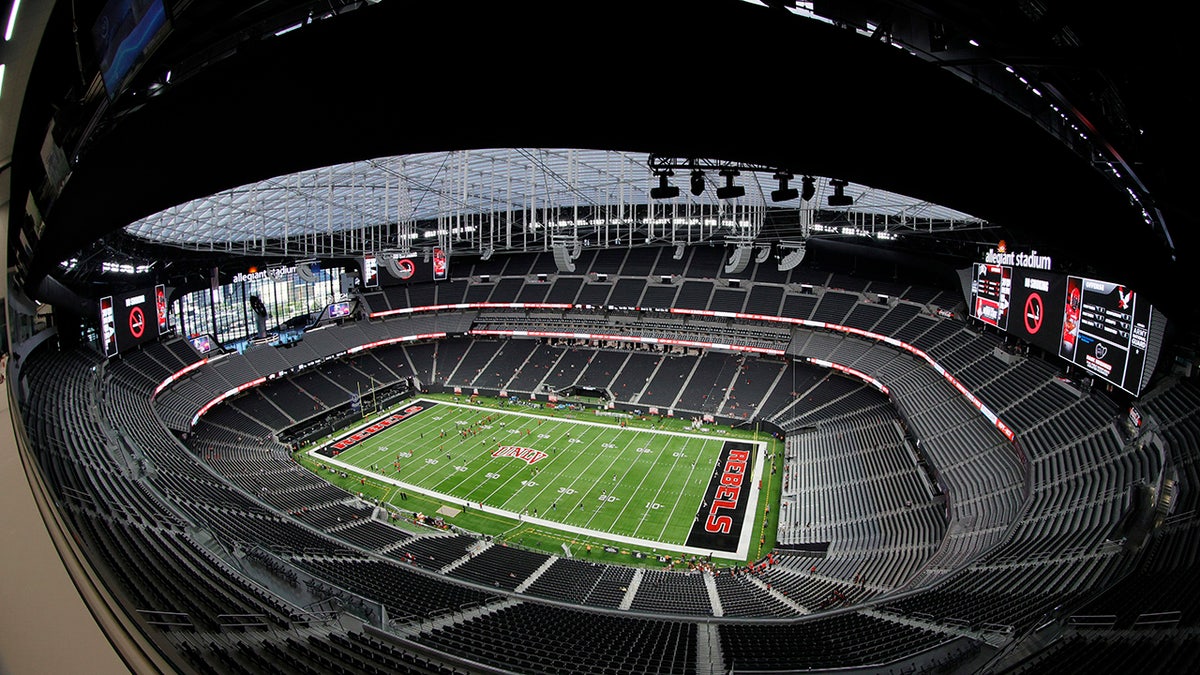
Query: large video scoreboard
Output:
(401,269)
(132,318)
(1105,330)
(1100,326)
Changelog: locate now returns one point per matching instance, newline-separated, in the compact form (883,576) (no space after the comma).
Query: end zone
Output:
(720,521)
(366,431)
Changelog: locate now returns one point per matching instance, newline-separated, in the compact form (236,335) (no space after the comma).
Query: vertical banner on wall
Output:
(108,326)
(370,271)
(160,307)
(441,266)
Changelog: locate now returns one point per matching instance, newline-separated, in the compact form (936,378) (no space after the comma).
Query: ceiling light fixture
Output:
(784,193)
(729,190)
(664,191)
(12,20)
(810,188)
(839,196)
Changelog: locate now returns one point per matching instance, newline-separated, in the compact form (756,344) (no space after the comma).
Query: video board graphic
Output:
(120,35)
(160,307)
(413,268)
(202,343)
(108,326)
(339,309)
(129,320)
(1105,331)
(991,291)
(370,271)
(1099,326)
(1037,315)
(441,265)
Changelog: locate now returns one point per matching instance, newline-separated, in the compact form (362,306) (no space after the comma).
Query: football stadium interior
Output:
(696,337)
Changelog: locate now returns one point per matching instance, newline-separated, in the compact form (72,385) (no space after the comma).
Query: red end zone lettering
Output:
(375,428)
(724,516)
(731,478)
(721,524)
(728,493)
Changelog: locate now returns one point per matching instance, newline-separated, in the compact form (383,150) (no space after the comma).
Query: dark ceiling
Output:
(714,78)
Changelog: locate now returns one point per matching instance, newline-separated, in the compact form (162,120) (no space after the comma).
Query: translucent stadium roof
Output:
(478,197)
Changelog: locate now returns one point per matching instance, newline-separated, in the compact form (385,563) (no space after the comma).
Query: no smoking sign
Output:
(137,322)
(1033,313)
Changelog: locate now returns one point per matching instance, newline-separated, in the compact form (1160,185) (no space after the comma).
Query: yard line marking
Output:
(666,478)
(686,487)
(655,455)
(632,440)
(557,476)
(566,434)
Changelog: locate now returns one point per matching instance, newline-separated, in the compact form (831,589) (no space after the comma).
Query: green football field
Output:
(641,486)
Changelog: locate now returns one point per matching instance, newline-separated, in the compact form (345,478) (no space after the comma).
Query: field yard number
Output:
(529,483)
(608,446)
(460,468)
(654,505)
(644,450)
(678,454)
(431,461)
(607,499)
(574,440)
(543,436)
(566,491)
(493,476)
(438,417)
(406,453)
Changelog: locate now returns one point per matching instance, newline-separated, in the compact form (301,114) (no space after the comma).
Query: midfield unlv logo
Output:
(528,454)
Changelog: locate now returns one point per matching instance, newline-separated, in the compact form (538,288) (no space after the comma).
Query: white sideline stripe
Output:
(743,549)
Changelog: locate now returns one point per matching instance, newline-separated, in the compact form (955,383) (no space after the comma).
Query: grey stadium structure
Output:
(939,252)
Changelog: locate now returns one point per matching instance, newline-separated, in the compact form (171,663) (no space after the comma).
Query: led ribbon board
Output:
(254,383)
